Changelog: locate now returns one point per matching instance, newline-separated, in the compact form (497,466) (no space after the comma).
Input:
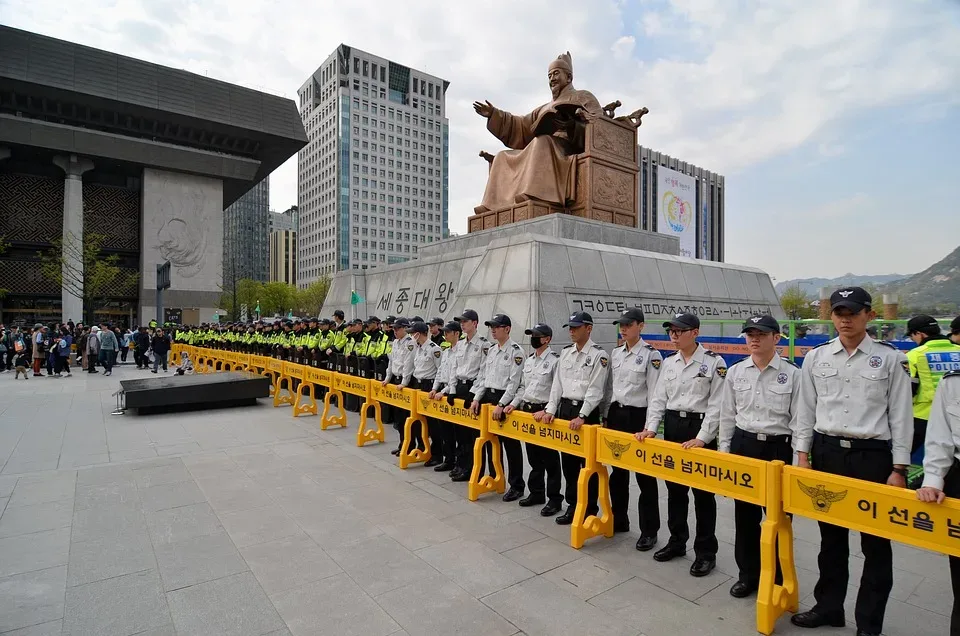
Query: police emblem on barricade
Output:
(821,498)
(617,449)
(875,362)
(782,378)
(424,403)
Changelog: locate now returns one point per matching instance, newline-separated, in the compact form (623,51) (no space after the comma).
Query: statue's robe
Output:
(540,164)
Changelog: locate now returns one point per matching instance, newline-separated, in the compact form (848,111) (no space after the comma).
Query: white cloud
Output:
(742,83)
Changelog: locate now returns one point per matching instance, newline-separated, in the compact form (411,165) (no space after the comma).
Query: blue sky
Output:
(834,123)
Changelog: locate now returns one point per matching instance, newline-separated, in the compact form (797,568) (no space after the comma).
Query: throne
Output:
(606,177)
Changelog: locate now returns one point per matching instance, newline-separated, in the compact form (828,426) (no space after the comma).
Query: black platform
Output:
(192,392)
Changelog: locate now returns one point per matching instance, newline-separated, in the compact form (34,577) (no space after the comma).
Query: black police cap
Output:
(453,326)
(853,298)
(579,319)
(540,329)
(499,320)
(633,314)
(419,327)
(468,314)
(437,321)
(683,321)
(763,322)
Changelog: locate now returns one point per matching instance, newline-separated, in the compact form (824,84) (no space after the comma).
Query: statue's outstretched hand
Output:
(484,109)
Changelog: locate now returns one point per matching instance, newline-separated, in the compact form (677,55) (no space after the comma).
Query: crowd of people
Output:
(47,350)
(857,407)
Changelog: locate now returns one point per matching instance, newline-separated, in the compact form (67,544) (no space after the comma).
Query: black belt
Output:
(686,415)
(465,382)
(571,402)
(532,407)
(416,379)
(627,407)
(763,437)
(852,443)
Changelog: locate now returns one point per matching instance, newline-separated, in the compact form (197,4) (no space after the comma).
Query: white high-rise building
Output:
(373,178)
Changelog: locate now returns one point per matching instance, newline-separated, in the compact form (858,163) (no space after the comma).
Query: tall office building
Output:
(246,227)
(286,220)
(283,256)
(373,177)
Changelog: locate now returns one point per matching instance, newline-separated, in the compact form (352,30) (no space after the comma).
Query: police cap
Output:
(683,321)
(853,298)
(763,322)
(579,319)
(634,314)
(540,329)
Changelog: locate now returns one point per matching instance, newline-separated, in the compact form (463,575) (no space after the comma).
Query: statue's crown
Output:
(564,61)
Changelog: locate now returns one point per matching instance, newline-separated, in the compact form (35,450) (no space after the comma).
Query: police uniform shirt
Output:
(762,402)
(443,373)
(690,387)
(942,447)
(402,349)
(466,364)
(634,373)
(581,376)
(424,362)
(861,396)
(536,381)
(501,370)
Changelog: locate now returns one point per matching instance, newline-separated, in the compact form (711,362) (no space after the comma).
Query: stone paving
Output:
(248,521)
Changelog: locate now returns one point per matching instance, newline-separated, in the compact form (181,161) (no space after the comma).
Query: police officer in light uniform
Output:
(497,385)
(532,397)
(855,419)
(445,431)
(758,414)
(402,349)
(635,370)
(687,397)
(941,465)
(466,367)
(576,395)
(420,372)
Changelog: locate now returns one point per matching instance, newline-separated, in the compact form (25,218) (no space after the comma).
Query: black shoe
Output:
(461,476)
(645,544)
(668,553)
(702,566)
(813,618)
(395,452)
(532,500)
(621,526)
(566,518)
(550,509)
(742,590)
(444,467)
(512,494)
(434,461)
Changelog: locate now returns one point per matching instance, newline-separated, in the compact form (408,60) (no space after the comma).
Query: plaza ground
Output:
(248,521)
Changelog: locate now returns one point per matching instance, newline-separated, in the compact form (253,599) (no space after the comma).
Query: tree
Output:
(796,303)
(100,278)
(310,299)
(276,297)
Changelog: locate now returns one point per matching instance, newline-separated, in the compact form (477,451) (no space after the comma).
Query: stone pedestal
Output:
(72,270)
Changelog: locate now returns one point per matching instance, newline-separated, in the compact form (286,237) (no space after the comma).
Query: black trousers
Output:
(631,419)
(747,516)
(416,430)
(400,417)
(543,461)
(870,460)
(951,488)
(442,434)
(512,447)
(352,402)
(571,464)
(683,429)
(464,436)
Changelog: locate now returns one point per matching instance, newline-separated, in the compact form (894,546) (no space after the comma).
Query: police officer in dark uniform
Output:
(436,330)
(855,419)
(635,370)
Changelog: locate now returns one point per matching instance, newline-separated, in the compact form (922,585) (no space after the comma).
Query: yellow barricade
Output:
(744,478)
(339,385)
(258,364)
(285,391)
(311,378)
(877,509)
(241,362)
(558,436)
(273,369)
(403,398)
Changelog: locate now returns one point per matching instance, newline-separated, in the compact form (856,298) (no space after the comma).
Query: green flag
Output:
(258,307)
(290,315)
(355,298)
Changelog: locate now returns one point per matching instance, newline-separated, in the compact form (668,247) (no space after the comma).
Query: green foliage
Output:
(310,300)
(796,303)
(100,277)
(277,298)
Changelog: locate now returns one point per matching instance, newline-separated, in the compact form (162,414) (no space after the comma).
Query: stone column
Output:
(825,302)
(73,168)
(891,305)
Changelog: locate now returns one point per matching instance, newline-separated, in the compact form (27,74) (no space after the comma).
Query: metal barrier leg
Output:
(583,526)
(488,483)
(772,599)
(327,420)
(365,435)
(301,406)
(279,397)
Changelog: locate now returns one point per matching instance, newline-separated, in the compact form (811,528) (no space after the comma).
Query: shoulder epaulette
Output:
(516,346)
(951,374)
(481,338)
(555,354)
(886,344)
(596,346)
(824,343)
(790,362)
(532,354)
(568,346)
(667,354)
(648,346)
(712,354)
